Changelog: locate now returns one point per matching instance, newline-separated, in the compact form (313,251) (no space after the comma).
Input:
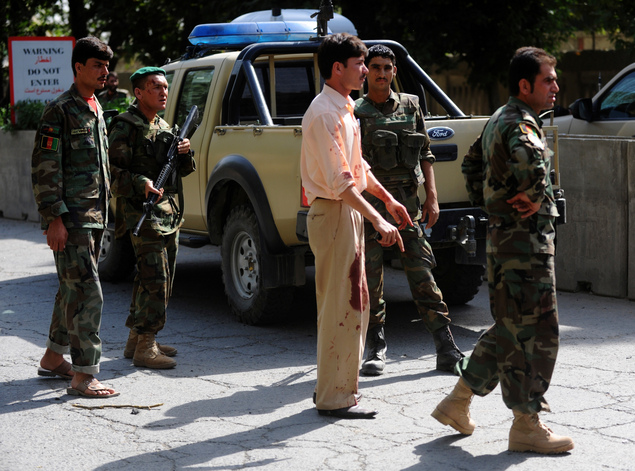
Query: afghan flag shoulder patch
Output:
(49,143)
(50,137)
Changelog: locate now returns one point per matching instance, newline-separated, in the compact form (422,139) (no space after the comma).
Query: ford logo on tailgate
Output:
(439,133)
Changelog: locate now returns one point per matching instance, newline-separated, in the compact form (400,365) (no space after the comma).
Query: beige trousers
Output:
(336,237)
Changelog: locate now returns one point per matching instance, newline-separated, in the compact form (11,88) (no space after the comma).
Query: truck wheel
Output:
(116,257)
(242,270)
(458,283)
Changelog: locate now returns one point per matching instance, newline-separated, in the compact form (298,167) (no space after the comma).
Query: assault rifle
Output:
(170,166)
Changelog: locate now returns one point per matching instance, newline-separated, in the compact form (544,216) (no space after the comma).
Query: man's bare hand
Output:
(430,209)
(399,212)
(523,205)
(56,235)
(388,234)
(151,189)
(184,146)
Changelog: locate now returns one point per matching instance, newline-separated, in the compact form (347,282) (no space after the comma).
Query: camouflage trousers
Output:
(418,262)
(152,287)
(520,349)
(79,301)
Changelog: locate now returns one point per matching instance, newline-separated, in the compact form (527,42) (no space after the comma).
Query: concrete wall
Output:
(16,194)
(596,248)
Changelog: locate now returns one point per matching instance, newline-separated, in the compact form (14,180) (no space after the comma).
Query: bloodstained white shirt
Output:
(331,158)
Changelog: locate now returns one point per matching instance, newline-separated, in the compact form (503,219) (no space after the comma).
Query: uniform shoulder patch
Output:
(49,130)
(49,143)
(50,137)
(532,135)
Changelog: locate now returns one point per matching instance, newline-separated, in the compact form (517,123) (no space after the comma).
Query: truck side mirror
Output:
(582,108)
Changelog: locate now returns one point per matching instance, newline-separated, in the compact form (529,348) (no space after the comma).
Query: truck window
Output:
(619,102)
(196,85)
(294,91)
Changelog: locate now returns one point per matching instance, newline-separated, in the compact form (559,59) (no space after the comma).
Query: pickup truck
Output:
(611,112)
(252,83)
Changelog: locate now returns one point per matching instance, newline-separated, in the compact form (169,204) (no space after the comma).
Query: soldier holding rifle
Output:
(139,141)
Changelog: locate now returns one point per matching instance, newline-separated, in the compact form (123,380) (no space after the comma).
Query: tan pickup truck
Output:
(246,196)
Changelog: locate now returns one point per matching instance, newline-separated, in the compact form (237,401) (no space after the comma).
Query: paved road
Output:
(240,396)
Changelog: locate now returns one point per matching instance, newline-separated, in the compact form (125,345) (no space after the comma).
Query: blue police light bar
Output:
(241,34)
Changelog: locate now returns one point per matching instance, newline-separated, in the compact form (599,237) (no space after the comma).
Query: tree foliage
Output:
(482,34)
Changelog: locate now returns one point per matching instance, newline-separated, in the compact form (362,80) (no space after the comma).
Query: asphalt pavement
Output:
(240,396)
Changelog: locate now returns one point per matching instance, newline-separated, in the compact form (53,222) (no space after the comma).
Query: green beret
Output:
(143,71)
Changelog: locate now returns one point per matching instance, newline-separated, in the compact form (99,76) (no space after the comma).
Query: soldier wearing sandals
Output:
(71,184)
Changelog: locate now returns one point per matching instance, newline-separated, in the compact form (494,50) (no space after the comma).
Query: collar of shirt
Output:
(134,108)
(337,98)
(389,106)
(522,105)
(81,101)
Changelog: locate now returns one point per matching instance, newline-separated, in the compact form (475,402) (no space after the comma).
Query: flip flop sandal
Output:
(61,371)
(82,387)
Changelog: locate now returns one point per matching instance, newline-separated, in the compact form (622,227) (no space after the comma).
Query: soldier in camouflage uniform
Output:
(507,173)
(71,184)
(395,144)
(139,141)
(111,95)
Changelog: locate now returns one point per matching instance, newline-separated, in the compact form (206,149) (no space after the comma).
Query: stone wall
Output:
(596,248)
(16,194)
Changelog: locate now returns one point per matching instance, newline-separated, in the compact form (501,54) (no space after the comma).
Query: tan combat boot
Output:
(131,345)
(454,410)
(147,354)
(528,433)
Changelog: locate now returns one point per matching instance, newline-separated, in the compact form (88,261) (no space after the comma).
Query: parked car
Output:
(611,112)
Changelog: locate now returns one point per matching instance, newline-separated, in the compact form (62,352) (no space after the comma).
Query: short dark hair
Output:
(338,48)
(89,48)
(379,50)
(526,64)
(112,74)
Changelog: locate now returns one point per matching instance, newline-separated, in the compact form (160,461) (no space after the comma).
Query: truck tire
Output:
(241,255)
(458,283)
(116,257)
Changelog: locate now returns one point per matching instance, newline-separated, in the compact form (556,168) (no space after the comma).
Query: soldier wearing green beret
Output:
(507,171)
(71,184)
(139,141)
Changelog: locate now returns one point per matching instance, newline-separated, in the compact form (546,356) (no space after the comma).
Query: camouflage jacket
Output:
(138,151)
(511,156)
(118,96)
(400,112)
(70,172)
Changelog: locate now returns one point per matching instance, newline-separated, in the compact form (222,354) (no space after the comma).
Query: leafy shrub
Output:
(120,104)
(27,113)
(5,117)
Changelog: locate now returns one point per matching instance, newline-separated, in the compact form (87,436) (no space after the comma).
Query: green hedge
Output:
(29,112)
